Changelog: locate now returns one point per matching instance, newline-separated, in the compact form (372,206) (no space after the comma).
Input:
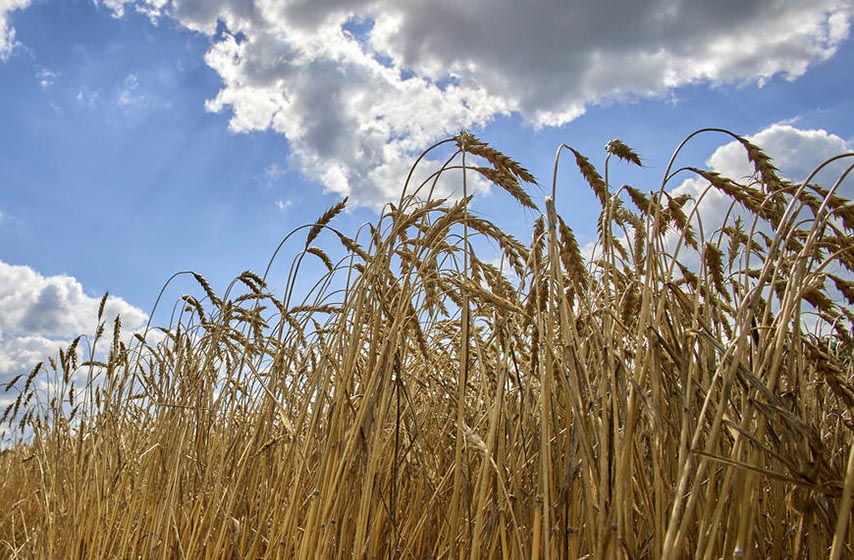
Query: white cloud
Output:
(7,32)
(116,6)
(795,152)
(40,314)
(359,86)
(351,121)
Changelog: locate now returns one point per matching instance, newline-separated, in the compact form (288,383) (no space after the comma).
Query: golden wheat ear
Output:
(324,220)
(506,172)
(622,151)
(592,176)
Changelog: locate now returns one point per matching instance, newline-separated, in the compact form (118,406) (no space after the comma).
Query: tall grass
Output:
(661,399)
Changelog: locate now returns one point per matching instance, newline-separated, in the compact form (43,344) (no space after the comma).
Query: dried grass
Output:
(418,403)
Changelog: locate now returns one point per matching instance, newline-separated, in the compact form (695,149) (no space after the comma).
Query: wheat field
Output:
(677,392)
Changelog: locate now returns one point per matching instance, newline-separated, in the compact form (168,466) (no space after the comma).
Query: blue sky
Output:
(141,138)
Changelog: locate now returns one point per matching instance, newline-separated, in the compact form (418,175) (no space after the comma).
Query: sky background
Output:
(147,137)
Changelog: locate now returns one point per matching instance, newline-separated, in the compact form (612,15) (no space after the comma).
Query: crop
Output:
(676,392)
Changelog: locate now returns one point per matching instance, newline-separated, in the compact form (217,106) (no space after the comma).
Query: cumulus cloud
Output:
(41,314)
(795,152)
(357,87)
(7,32)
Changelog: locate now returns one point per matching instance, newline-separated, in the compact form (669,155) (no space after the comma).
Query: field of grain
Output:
(677,393)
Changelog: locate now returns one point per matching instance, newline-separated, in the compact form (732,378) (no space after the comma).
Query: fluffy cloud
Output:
(795,152)
(359,86)
(39,315)
(7,32)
